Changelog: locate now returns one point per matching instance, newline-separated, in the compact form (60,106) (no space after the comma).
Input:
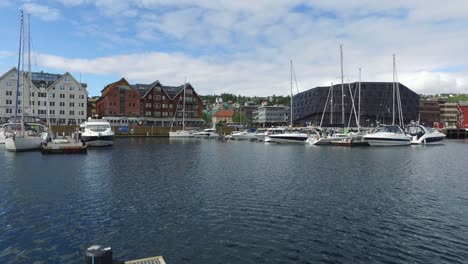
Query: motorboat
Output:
(391,135)
(422,135)
(242,135)
(316,139)
(206,133)
(288,137)
(97,133)
(261,134)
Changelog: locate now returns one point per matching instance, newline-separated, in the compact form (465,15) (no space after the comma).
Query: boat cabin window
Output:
(414,130)
(391,129)
(102,127)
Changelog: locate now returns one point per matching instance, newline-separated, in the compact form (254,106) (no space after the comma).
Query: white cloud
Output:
(6,53)
(41,11)
(245,46)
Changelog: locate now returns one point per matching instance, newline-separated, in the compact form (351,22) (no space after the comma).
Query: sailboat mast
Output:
(393,92)
(342,87)
(291,96)
(183,107)
(359,100)
(29,65)
(331,104)
(22,80)
(18,72)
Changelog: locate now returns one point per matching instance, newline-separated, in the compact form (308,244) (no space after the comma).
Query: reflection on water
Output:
(201,201)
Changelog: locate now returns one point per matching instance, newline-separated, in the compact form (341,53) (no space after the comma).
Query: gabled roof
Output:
(224,113)
(173,91)
(8,72)
(144,89)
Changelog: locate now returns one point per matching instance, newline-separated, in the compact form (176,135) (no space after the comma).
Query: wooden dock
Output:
(152,260)
(64,146)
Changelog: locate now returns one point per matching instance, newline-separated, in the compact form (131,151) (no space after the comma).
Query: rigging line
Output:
(325,107)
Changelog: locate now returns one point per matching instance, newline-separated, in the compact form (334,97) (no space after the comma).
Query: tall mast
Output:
(342,87)
(331,104)
(183,106)
(359,99)
(18,72)
(393,92)
(29,63)
(291,96)
(22,81)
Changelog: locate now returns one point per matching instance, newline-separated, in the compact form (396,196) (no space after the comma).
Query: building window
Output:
(9,93)
(62,96)
(164,114)
(62,104)
(72,112)
(72,104)
(72,96)
(72,88)
(52,112)
(164,106)
(9,111)
(164,97)
(62,112)
(52,95)
(8,101)
(52,103)
(62,88)
(9,84)
(67,79)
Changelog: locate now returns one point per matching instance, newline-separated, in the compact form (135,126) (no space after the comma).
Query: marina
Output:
(212,201)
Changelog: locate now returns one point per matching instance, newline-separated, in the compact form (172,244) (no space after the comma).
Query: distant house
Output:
(222,116)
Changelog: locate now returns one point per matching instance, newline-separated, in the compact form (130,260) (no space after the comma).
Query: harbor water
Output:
(201,201)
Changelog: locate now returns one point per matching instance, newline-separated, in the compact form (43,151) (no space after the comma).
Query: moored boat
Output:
(97,133)
(391,135)
(422,135)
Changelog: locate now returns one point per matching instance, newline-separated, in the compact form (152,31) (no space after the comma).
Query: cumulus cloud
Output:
(43,12)
(245,46)
(6,53)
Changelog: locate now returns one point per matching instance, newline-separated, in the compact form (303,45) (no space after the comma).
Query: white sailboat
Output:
(320,140)
(391,135)
(181,133)
(288,137)
(24,136)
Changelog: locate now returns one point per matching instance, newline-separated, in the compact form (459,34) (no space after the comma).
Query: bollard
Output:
(98,254)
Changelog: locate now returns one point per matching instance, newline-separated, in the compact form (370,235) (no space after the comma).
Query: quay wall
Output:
(455,133)
(135,131)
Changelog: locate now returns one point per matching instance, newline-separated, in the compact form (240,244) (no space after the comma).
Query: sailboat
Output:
(288,137)
(181,133)
(392,135)
(24,136)
(328,140)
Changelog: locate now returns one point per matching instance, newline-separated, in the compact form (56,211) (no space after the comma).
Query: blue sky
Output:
(243,47)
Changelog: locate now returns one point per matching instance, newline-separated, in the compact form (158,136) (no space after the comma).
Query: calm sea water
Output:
(237,202)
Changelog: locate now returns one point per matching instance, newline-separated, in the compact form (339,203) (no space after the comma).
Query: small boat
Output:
(206,133)
(391,135)
(242,135)
(97,133)
(318,140)
(261,134)
(354,140)
(422,135)
(289,137)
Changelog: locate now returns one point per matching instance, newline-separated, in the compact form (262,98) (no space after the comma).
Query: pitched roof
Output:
(143,89)
(224,113)
(173,91)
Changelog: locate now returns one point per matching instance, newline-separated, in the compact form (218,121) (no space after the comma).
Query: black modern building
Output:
(376,104)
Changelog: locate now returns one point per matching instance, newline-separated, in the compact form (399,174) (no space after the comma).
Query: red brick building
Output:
(463,115)
(153,104)
(118,99)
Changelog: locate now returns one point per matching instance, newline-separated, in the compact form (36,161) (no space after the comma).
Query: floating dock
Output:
(457,133)
(64,146)
(153,260)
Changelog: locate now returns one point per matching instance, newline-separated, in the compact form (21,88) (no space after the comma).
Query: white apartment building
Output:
(272,115)
(59,94)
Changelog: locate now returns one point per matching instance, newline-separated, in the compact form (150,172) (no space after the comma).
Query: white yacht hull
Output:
(181,134)
(299,138)
(428,140)
(20,143)
(387,140)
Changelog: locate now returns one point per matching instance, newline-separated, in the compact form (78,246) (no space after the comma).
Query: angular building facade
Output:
(375,107)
